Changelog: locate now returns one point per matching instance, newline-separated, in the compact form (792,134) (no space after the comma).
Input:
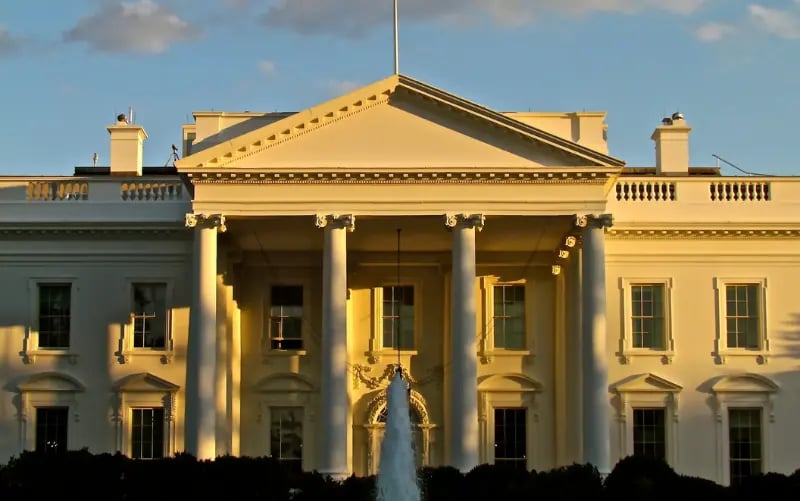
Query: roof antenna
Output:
(130,115)
(396,42)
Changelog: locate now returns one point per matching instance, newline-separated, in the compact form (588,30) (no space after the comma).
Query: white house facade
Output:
(547,303)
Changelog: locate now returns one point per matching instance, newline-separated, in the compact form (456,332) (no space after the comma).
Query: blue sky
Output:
(68,67)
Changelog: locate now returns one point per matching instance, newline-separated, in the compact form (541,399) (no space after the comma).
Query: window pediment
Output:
(508,383)
(144,382)
(745,383)
(285,382)
(51,381)
(648,382)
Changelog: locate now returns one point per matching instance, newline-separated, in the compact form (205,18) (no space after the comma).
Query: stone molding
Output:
(470,221)
(206,221)
(336,221)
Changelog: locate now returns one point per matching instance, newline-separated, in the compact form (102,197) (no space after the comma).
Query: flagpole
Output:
(396,42)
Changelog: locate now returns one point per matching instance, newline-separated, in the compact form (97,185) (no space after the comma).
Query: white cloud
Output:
(714,31)
(340,87)
(781,23)
(141,26)
(266,68)
(9,44)
(356,17)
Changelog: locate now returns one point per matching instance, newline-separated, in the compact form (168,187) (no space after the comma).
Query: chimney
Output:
(672,146)
(126,148)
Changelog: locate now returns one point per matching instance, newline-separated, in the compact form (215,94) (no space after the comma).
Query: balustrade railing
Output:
(57,191)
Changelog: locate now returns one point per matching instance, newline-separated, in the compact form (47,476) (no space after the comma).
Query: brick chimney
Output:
(672,146)
(126,148)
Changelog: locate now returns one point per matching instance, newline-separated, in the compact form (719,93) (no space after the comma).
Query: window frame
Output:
(648,391)
(376,348)
(305,319)
(31,349)
(721,350)
(627,350)
(748,391)
(144,390)
(760,411)
(48,389)
(164,431)
(525,411)
(126,350)
(38,408)
(271,410)
(486,344)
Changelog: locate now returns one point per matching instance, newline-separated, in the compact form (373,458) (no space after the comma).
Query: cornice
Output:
(702,233)
(427,176)
(66,230)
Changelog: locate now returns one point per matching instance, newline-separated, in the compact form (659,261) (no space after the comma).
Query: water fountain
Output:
(397,471)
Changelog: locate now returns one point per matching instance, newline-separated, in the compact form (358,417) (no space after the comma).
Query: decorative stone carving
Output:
(206,221)
(347,221)
(360,376)
(468,220)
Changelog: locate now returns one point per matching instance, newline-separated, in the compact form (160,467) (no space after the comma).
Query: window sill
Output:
(375,356)
(760,356)
(125,357)
(29,357)
(283,353)
(488,356)
(666,356)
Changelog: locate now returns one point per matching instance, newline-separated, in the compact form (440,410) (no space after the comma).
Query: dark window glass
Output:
(147,433)
(742,316)
(510,438)
(648,316)
(286,436)
(509,317)
(149,316)
(51,429)
(286,317)
(744,427)
(649,433)
(398,317)
(54,315)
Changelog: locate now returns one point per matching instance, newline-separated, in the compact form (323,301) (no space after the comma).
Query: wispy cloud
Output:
(9,44)
(782,23)
(339,87)
(266,68)
(714,31)
(140,26)
(356,17)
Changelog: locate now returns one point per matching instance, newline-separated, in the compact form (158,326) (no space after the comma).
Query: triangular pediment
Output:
(396,122)
(284,382)
(644,383)
(745,383)
(51,381)
(508,383)
(145,382)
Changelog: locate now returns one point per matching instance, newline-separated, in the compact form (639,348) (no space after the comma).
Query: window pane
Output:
(286,317)
(742,320)
(286,295)
(509,316)
(51,429)
(286,435)
(745,443)
(510,438)
(54,315)
(649,433)
(147,433)
(647,317)
(149,315)
(398,317)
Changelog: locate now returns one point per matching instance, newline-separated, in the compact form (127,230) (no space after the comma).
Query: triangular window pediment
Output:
(745,383)
(647,383)
(51,381)
(145,382)
(287,382)
(508,383)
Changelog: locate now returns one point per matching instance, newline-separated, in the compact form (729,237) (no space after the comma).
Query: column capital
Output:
(346,221)
(206,221)
(467,220)
(600,221)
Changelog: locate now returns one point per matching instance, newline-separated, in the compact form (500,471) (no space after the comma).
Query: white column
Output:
(596,440)
(464,434)
(335,401)
(201,358)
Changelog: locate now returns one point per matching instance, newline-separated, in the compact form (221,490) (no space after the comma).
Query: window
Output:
(745,444)
(646,319)
(510,438)
(147,433)
(150,316)
(509,317)
(286,436)
(286,317)
(647,316)
(54,315)
(51,429)
(649,433)
(742,316)
(741,322)
(398,317)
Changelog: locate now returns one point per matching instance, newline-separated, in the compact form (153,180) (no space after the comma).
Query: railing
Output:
(57,191)
(740,191)
(645,191)
(151,191)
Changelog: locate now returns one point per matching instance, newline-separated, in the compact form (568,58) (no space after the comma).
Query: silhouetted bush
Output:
(113,477)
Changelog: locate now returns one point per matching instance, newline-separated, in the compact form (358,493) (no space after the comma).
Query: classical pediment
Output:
(144,382)
(51,381)
(397,122)
(508,383)
(644,383)
(284,383)
(745,383)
